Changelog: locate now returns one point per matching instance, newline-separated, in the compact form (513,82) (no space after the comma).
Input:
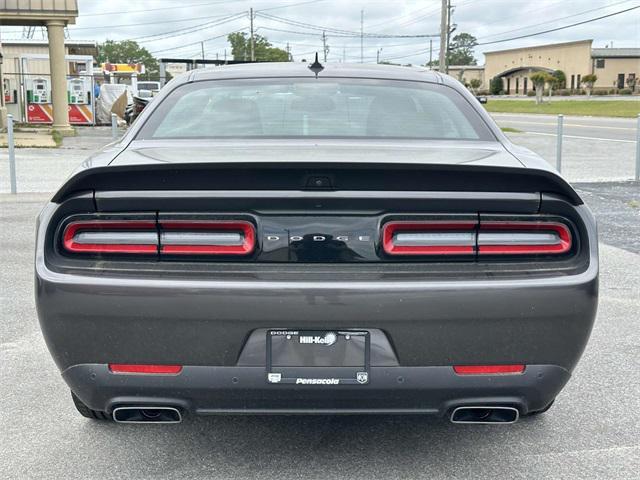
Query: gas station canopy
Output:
(36,12)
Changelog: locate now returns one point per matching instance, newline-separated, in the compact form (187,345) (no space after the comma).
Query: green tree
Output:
(496,86)
(474,84)
(589,81)
(263,50)
(461,50)
(560,79)
(128,51)
(539,79)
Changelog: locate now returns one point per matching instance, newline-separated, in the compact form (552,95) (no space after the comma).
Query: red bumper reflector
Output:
(146,369)
(488,369)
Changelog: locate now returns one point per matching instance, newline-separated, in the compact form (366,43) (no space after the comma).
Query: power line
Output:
(560,28)
(555,20)
(74,29)
(181,6)
(198,42)
(290,5)
(336,31)
(185,31)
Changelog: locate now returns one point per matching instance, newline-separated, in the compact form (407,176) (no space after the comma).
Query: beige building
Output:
(466,73)
(613,66)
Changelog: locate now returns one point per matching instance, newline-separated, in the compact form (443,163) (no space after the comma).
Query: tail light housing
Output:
(149,237)
(483,237)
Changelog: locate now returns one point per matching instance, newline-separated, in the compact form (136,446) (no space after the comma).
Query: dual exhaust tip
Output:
(485,415)
(147,414)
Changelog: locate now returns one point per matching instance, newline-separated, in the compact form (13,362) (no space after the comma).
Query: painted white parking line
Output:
(553,124)
(581,137)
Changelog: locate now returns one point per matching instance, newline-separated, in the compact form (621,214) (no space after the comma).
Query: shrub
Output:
(496,86)
(625,91)
(482,92)
(600,92)
(531,93)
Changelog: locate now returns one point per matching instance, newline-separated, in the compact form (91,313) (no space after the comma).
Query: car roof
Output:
(301,69)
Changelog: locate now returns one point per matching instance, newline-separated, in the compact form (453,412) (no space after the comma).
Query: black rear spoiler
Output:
(317,176)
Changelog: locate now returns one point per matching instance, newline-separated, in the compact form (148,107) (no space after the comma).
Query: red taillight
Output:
(488,369)
(111,236)
(523,238)
(432,237)
(207,237)
(145,369)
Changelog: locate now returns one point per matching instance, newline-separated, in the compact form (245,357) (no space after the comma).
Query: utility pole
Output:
(202,48)
(431,54)
(378,55)
(325,47)
(288,52)
(444,10)
(361,36)
(253,47)
(449,31)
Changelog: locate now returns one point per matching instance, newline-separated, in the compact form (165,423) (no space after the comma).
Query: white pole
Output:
(12,153)
(114,125)
(559,144)
(638,150)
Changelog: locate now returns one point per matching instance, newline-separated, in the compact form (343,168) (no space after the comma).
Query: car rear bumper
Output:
(205,390)
(203,321)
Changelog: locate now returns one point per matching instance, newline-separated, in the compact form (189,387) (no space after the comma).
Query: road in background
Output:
(594,149)
(604,128)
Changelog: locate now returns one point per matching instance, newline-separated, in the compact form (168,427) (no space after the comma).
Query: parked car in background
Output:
(153,87)
(277,238)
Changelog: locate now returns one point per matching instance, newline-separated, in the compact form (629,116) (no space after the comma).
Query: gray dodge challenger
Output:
(315,239)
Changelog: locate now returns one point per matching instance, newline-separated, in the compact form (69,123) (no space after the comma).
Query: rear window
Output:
(329,107)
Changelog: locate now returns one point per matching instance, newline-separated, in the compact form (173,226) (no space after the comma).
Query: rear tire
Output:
(87,412)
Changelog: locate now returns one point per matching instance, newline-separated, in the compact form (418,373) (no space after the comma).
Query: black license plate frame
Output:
(310,357)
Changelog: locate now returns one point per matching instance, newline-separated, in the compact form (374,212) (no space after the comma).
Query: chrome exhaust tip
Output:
(485,415)
(147,414)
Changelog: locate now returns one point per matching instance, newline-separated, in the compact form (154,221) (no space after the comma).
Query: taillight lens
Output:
(523,238)
(432,237)
(111,236)
(207,237)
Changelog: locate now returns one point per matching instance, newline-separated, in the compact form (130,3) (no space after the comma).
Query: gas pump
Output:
(10,94)
(77,91)
(39,91)
(38,99)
